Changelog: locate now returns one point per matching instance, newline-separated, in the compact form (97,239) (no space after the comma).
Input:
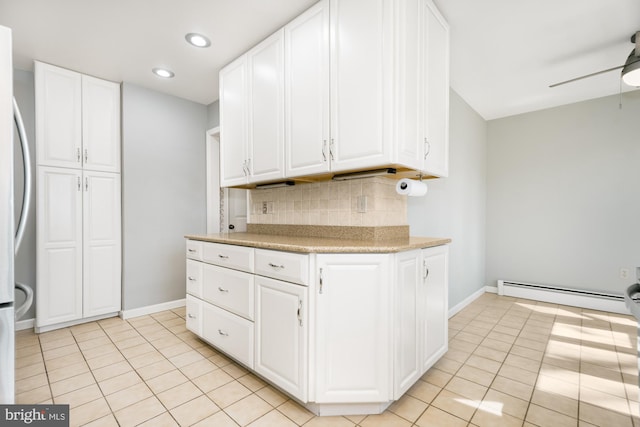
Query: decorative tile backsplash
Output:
(364,202)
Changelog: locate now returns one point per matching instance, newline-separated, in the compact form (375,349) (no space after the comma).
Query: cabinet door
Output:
(102,250)
(408,130)
(265,70)
(436,101)
(59,235)
(233,123)
(307,92)
(58,116)
(353,336)
(408,312)
(281,335)
(100,124)
(434,304)
(361,67)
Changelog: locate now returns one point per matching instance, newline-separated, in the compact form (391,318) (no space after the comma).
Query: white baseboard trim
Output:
(491,289)
(150,309)
(21,325)
(465,302)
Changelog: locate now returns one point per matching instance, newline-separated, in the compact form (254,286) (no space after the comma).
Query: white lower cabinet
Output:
(407,325)
(229,332)
(194,315)
(281,335)
(341,333)
(352,328)
(78,241)
(421,313)
(434,303)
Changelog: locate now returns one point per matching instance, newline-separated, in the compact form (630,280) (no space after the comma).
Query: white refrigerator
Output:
(11,230)
(7,223)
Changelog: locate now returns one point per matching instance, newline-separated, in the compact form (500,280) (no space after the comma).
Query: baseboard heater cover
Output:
(557,295)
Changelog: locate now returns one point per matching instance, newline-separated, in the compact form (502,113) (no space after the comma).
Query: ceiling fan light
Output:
(631,70)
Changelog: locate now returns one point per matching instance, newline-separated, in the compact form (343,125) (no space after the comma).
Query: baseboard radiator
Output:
(556,295)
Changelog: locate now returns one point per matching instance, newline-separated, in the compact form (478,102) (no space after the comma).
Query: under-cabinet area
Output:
(342,333)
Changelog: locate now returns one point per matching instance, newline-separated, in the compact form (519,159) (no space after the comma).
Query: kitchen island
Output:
(343,325)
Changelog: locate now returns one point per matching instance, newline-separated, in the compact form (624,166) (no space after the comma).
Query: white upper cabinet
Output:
(100,125)
(408,132)
(307,92)
(233,123)
(366,86)
(77,120)
(361,71)
(58,116)
(265,64)
(436,92)
(252,115)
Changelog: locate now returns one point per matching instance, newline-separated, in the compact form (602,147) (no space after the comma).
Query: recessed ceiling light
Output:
(198,40)
(163,72)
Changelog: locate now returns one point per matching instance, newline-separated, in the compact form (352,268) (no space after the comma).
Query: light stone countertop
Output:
(320,244)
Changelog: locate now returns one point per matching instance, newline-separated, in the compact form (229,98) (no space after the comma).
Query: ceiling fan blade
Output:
(587,75)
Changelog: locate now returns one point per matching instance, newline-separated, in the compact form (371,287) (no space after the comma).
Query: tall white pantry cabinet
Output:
(78,209)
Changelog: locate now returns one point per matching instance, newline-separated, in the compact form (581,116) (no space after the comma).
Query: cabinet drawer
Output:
(194,249)
(194,315)
(194,278)
(228,332)
(285,266)
(229,289)
(231,256)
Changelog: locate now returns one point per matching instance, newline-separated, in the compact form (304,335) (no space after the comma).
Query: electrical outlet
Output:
(264,207)
(624,273)
(362,204)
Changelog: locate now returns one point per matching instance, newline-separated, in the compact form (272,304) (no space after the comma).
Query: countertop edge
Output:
(320,245)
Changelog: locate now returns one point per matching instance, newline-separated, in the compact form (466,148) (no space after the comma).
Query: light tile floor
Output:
(510,363)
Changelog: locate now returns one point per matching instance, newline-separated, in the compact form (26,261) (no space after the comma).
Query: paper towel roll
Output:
(411,187)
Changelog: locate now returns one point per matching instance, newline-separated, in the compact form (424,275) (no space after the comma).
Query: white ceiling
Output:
(504,53)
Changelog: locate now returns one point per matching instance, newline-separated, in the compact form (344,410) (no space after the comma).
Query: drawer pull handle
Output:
(192,250)
(191,316)
(272,265)
(192,279)
(223,257)
(221,289)
(223,333)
